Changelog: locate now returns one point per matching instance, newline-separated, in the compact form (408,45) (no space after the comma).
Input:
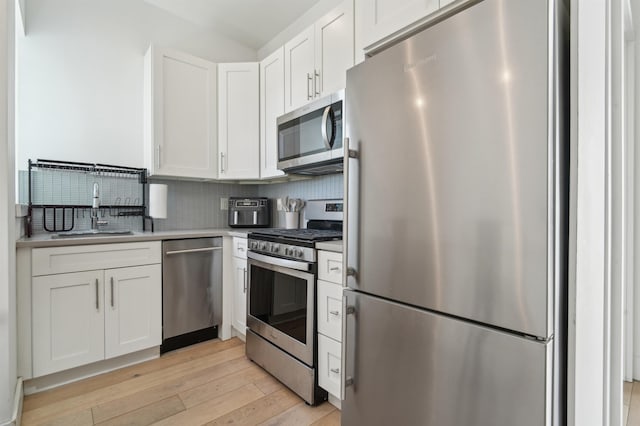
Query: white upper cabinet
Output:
(334,39)
(299,71)
(382,18)
(238,120)
(316,60)
(180,115)
(271,106)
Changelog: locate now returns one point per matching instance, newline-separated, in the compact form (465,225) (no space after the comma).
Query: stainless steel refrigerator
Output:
(457,223)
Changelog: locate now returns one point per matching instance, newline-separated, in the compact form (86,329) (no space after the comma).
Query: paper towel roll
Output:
(158,200)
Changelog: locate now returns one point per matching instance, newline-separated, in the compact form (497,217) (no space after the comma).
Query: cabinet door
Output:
(240,294)
(68,321)
(180,115)
(299,70)
(271,106)
(329,365)
(238,120)
(334,38)
(384,17)
(330,310)
(133,309)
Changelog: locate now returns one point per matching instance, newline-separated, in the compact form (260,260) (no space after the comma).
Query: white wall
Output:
(80,81)
(7,213)
(21,21)
(299,25)
(589,302)
(635,7)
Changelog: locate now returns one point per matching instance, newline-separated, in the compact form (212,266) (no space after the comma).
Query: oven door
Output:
(281,304)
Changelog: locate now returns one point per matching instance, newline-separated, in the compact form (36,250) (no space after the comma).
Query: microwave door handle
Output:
(235,217)
(255,217)
(325,116)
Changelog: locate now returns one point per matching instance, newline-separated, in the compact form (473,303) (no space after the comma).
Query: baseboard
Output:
(335,402)
(60,378)
(239,335)
(16,417)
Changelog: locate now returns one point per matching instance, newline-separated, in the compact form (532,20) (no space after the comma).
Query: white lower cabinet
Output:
(80,317)
(240,294)
(68,321)
(330,309)
(329,317)
(329,364)
(240,284)
(133,309)
(84,317)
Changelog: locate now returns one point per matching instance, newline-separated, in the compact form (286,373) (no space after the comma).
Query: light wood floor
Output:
(631,401)
(210,383)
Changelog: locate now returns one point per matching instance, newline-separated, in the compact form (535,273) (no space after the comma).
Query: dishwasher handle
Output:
(196,250)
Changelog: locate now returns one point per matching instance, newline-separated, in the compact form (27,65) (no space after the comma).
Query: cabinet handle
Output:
(316,83)
(309,95)
(196,250)
(222,162)
(335,268)
(97,297)
(335,370)
(158,155)
(112,302)
(244,290)
(335,313)
(240,248)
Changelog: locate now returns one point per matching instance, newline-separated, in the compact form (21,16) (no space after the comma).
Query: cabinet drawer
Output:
(240,247)
(329,365)
(330,266)
(58,260)
(330,310)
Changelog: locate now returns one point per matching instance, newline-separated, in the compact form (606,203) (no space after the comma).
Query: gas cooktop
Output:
(308,235)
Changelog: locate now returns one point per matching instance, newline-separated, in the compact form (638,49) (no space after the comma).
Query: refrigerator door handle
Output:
(351,196)
(347,374)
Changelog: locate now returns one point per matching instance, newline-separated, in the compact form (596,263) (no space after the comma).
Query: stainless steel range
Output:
(281,311)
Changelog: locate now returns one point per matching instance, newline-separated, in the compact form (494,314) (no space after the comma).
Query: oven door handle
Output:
(285,263)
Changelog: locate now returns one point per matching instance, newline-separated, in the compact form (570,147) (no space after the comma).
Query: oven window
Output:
(279,300)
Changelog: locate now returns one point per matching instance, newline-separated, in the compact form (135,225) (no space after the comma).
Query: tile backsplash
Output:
(190,204)
(194,205)
(318,188)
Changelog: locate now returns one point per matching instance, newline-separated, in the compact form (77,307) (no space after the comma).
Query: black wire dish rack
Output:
(58,197)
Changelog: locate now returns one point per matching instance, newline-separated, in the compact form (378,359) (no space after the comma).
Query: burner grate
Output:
(301,234)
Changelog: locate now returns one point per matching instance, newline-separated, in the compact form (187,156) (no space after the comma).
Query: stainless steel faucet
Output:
(95,222)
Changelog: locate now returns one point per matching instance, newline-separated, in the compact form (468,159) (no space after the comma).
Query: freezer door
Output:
(412,367)
(456,198)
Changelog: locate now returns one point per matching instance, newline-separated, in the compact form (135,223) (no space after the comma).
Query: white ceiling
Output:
(251,22)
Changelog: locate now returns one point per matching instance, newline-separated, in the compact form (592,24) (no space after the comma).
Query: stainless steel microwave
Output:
(310,138)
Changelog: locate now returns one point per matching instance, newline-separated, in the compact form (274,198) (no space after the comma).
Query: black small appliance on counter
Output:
(252,212)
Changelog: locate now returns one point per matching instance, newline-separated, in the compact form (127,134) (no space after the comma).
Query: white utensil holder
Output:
(291,220)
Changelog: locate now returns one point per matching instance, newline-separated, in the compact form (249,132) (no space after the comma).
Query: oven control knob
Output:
(275,248)
(299,252)
(263,246)
(287,251)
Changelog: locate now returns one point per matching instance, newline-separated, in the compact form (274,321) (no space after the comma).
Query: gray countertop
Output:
(45,240)
(330,246)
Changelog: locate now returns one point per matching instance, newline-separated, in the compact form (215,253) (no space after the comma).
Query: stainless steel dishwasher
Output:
(191,291)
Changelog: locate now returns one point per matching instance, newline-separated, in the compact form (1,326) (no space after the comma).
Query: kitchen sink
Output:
(93,233)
